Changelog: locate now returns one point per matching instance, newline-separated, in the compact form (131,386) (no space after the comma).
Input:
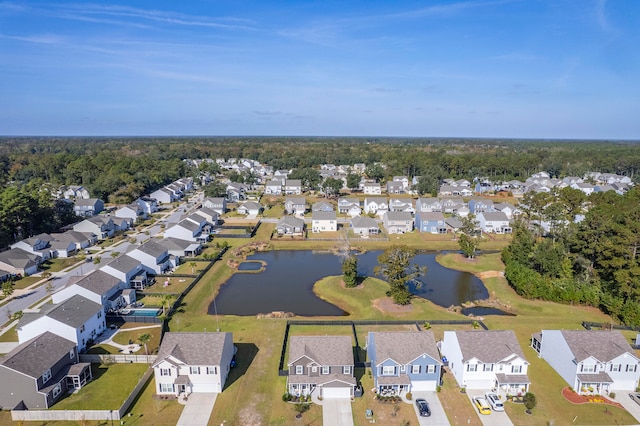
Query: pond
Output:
(250,266)
(287,284)
(482,311)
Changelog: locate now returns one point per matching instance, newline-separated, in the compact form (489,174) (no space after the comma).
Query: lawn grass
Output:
(456,405)
(25,282)
(148,411)
(10,335)
(58,264)
(187,269)
(176,285)
(124,336)
(99,394)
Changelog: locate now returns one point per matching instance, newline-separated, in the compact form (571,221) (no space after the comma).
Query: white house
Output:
(164,196)
(153,256)
(349,206)
(494,222)
(372,188)
(129,270)
(376,205)
(102,226)
(193,362)
(324,221)
(98,286)
(486,359)
(77,319)
(590,361)
(187,230)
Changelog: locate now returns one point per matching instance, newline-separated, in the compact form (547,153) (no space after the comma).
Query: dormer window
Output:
(299,369)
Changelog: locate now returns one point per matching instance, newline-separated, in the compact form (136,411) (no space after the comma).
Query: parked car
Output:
(482,405)
(494,402)
(423,407)
(635,397)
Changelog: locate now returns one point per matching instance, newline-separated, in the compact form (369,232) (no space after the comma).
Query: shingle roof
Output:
(426,216)
(489,346)
(35,356)
(363,222)
(152,248)
(404,347)
(98,282)
(124,263)
(399,216)
(495,216)
(320,215)
(291,221)
(193,348)
(325,350)
(74,311)
(603,345)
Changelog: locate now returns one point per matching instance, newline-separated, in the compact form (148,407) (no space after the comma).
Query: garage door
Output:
(336,393)
(423,385)
(480,384)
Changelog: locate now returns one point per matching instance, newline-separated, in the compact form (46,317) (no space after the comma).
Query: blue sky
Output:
(485,68)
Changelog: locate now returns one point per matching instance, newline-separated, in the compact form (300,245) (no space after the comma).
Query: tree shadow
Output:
(244,357)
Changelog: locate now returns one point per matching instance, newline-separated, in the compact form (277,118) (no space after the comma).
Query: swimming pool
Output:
(146,312)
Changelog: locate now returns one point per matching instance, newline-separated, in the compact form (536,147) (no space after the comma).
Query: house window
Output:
(82,329)
(632,367)
(194,370)
(415,369)
(487,367)
(165,372)
(72,354)
(516,369)
(346,369)
(388,370)
(472,367)
(299,369)
(588,368)
(100,314)
(57,390)
(46,376)
(166,388)
(431,368)
(314,369)
(615,367)
(325,369)
(212,370)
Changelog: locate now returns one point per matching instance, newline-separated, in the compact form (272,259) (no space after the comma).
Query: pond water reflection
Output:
(287,284)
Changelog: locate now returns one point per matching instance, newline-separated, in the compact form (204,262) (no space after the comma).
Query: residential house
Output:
(323,221)
(76,192)
(508,209)
(494,222)
(454,191)
(187,230)
(290,225)
(394,187)
(102,226)
(210,216)
(428,205)
(322,206)
(121,223)
(77,319)
(295,205)
(164,196)
(98,286)
(364,225)
(273,187)
(38,245)
(376,205)
(177,189)
(397,222)
(590,361)
(149,205)
(359,168)
(349,206)
(193,362)
(236,192)
(372,188)
(19,262)
(129,270)
(154,257)
(404,361)
(431,222)
(452,204)
(63,249)
(454,224)
(321,364)
(250,208)
(406,182)
(39,371)
(293,187)
(219,204)
(133,212)
(81,240)
(587,188)
(486,359)
(182,248)
(401,205)
(88,207)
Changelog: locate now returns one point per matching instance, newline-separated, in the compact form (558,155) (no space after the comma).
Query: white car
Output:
(494,402)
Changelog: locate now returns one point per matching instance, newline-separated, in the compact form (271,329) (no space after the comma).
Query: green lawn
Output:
(124,336)
(58,264)
(99,394)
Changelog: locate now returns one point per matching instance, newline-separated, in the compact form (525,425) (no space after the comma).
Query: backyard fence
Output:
(117,359)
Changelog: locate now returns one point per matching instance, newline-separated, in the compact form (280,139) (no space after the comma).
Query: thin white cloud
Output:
(39,39)
(601,15)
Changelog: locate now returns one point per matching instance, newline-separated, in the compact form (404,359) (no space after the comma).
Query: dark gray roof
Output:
(399,216)
(193,348)
(189,225)
(35,356)
(152,248)
(98,282)
(17,258)
(603,345)
(291,221)
(363,222)
(325,350)
(295,200)
(74,311)
(293,182)
(324,215)
(124,263)
(500,216)
(488,346)
(177,244)
(431,216)
(251,205)
(403,347)
(87,202)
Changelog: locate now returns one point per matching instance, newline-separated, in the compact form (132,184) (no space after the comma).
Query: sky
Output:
(477,68)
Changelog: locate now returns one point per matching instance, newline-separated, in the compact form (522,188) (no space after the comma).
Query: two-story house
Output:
(349,206)
(19,262)
(38,245)
(290,225)
(36,373)
(187,230)
(149,205)
(88,207)
(129,270)
(372,188)
(133,212)
(218,204)
(364,225)
(99,286)
(401,205)
(494,222)
(376,205)
(431,222)
(590,361)
(322,221)
(404,361)
(153,256)
(321,364)
(293,187)
(295,205)
(428,205)
(273,187)
(77,319)
(193,362)
(102,226)
(486,359)
(397,222)
(164,196)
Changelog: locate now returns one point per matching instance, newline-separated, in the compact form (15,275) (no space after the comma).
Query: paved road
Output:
(337,412)
(438,416)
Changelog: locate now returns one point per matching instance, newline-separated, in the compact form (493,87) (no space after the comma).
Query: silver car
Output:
(494,402)
(635,397)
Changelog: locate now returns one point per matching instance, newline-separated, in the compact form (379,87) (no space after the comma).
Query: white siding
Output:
(451,350)
(556,352)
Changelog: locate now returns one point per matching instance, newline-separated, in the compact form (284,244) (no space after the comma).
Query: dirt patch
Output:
(358,287)
(490,274)
(387,306)
(574,398)
(249,415)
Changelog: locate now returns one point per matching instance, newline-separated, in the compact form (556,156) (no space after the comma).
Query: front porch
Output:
(393,385)
(512,384)
(593,384)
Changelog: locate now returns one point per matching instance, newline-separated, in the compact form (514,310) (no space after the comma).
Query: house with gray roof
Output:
(193,362)
(322,221)
(19,262)
(590,361)
(273,187)
(88,207)
(349,206)
(187,230)
(404,361)
(38,245)
(98,286)
(321,364)
(250,208)
(494,222)
(129,270)
(102,226)
(81,240)
(290,225)
(182,248)
(487,359)
(153,256)
(295,205)
(39,371)
(397,222)
(293,186)
(364,225)
(77,319)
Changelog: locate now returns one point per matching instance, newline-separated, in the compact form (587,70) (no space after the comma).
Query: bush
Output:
(409,396)
(286,397)
(612,395)
(530,401)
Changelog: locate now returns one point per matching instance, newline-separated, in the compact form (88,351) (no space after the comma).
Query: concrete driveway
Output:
(337,412)
(623,398)
(438,416)
(496,418)
(197,410)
